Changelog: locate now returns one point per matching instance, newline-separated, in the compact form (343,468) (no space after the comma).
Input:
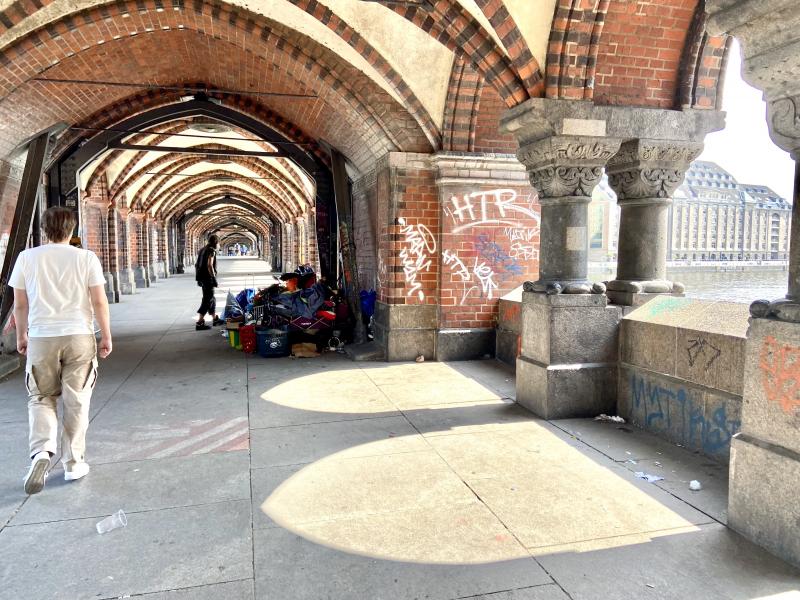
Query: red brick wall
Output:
(408,216)
(489,246)
(364,227)
(487,130)
(640,52)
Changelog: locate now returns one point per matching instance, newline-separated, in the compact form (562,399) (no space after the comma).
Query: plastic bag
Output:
(232,307)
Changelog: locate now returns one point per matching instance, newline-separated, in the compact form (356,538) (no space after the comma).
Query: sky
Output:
(744,148)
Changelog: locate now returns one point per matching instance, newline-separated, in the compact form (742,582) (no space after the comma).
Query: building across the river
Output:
(712,218)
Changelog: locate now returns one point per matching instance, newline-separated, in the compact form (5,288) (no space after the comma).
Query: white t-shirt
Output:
(57,278)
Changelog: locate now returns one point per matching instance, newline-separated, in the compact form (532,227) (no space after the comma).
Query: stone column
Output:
(765,455)
(644,175)
(152,248)
(127,282)
(567,363)
(141,273)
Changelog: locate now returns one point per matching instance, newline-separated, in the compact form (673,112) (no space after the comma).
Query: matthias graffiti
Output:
(419,245)
(671,410)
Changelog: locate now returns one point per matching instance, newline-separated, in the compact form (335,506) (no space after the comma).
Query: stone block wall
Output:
(509,328)
(681,371)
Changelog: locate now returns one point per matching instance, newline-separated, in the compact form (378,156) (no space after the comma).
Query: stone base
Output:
(507,347)
(566,391)
(141,277)
(112,293)
(127,282)
(464,344)
(762,502)
(568,362)
(368,351)
(406,331)
(633,299)
(9,363)
(151,271)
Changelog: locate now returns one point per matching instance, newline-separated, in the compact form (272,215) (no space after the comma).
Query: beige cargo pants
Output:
(64,366)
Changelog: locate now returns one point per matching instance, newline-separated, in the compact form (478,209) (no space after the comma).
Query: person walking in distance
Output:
(206,276)
(58,292)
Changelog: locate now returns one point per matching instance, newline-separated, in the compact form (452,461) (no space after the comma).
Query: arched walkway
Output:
(246,478)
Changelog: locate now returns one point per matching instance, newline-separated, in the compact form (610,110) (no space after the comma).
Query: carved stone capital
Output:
(783,118)
(650,169)
(561,166)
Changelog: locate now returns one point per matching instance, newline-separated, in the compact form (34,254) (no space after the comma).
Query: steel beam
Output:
(23,217)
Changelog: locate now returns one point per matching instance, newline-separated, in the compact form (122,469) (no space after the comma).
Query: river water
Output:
(730,286)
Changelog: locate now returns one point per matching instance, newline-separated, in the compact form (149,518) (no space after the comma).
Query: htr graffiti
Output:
(415,255)
(494,207)
(670,409)
(780,374)
(482,272)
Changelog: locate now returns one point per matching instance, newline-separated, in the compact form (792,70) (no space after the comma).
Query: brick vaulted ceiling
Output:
(364,76)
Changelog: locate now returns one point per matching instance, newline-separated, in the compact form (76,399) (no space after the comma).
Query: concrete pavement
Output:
(246,478)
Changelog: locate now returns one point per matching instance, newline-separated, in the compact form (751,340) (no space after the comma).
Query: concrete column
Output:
(644,175)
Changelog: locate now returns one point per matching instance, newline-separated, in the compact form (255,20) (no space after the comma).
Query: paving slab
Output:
(711,562)
(158,550)
(340,489)
(141,486)
(308,443)
(289,566)
(467,417)
(415,393)
(14,450)
(233,590)
(540,592)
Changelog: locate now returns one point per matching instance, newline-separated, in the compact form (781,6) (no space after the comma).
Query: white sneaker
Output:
(79,470)
(34,480)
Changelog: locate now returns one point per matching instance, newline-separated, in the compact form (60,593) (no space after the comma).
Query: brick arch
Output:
(572,50)
(131,106)
(452,25)
(461,108)
(634,52)
(287,210)
(178,163)
(210,194)
(349,100)
(173,205)
(702,65)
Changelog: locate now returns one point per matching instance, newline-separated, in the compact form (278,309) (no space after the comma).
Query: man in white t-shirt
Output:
(58,292)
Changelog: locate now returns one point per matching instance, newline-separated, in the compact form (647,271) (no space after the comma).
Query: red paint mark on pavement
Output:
(780,374)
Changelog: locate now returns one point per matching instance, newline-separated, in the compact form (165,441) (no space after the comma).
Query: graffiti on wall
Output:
(702,352)
(418,246)
(671,410)
(493,207)
(780,374)
(478,280)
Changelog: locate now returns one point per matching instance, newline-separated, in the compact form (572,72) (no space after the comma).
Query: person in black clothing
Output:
(206,276)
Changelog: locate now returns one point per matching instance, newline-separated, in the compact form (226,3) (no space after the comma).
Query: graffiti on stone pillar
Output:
(419,245)
(493,207)
(780,374)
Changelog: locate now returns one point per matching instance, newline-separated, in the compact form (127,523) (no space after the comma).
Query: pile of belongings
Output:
(302,304)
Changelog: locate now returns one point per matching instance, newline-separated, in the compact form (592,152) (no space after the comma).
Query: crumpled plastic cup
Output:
(115,521)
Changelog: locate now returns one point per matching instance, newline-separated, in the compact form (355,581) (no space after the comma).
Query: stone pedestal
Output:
(765,455)
(112,293)
(406,331)
(141,277)
(568,362)
(151,271)
(127,282)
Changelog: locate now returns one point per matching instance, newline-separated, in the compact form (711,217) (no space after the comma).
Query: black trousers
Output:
(209,303)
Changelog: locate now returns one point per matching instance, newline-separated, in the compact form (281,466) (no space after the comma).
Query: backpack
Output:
(200,270)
